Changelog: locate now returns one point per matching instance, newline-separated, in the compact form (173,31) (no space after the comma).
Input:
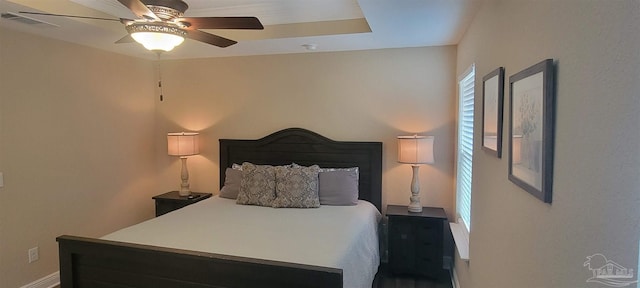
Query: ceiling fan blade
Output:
(210,38)
(126,39)
(72,16)
(222,23)
(139,9)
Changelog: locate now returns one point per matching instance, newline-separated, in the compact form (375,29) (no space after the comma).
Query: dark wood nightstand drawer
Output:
(416,241)
(428,231)
(171,201)
(166,207)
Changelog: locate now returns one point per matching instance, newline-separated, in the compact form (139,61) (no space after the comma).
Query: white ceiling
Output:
(332,25)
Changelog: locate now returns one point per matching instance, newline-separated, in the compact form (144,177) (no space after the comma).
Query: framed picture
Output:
(493,99)
(531,113)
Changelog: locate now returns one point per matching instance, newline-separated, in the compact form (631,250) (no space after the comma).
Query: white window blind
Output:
(465,146)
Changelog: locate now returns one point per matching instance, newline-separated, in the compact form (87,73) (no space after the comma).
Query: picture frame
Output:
(531,129)
(492,111)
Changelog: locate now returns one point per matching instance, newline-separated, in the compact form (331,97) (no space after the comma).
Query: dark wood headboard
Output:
(297,145)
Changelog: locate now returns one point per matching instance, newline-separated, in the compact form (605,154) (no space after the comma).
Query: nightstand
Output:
(416,240)
(170,201)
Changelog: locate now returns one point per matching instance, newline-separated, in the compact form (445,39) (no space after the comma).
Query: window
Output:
(464,156)
(465,146)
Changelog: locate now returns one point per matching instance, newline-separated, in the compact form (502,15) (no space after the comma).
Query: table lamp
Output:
(415,150)
(183,144)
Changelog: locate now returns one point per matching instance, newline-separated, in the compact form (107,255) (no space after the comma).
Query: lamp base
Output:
(414,205)
(184,192)
(184,176)
(414,200)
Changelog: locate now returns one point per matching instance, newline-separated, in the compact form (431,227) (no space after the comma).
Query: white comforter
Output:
(342,237)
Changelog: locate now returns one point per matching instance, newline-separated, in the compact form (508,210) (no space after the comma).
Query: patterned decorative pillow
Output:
(297,187)
(352,169)
(258,185)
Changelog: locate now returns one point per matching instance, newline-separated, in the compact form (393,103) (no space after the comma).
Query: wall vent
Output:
(25,19)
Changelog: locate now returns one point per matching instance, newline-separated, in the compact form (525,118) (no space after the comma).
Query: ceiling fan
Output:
(161,24)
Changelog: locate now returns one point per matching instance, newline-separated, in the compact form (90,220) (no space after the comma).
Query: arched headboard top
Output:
(304,147)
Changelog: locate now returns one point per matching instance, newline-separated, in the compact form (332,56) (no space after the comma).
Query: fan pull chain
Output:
(160,85)
(160,79)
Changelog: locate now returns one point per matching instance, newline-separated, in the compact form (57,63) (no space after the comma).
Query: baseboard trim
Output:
(454,277)
(49,281)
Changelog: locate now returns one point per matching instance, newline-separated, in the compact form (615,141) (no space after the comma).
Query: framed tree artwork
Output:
(492,107)
(531,132)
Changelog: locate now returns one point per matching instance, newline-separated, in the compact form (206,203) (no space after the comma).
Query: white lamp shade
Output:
(415,149)
(182,144)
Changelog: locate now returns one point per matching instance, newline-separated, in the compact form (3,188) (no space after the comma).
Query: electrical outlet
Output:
(33,254)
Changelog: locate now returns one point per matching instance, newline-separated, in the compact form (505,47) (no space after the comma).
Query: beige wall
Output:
(516,240)
(2,85)
(76,147)
(361,96)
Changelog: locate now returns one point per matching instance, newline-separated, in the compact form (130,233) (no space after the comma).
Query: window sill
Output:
(461,237)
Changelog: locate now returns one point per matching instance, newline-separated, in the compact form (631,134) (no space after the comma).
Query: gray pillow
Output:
(258,185)
(231,188)
(297,187)
(338,187)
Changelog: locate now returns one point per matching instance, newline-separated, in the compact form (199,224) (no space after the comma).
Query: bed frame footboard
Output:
(95,263)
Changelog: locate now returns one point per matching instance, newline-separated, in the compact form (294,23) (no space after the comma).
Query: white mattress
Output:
(344,237)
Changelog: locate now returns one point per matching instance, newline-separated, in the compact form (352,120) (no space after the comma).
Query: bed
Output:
(130,258)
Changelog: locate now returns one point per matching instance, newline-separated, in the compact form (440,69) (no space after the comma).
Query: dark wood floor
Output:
(385,279)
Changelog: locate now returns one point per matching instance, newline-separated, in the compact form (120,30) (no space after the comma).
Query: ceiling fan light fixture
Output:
(157,36)
(157,41)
